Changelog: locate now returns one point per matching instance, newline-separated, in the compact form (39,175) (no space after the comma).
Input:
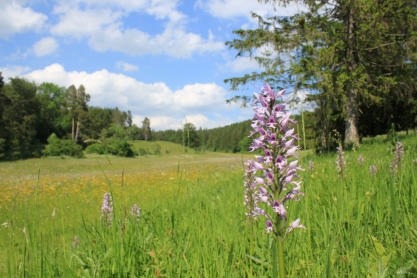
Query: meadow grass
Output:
(163,147)
(193,222)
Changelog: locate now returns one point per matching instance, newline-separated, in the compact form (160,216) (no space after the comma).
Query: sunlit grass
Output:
(193,222)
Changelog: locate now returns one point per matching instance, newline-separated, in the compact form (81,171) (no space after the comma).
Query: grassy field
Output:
(161,147)
(192,220)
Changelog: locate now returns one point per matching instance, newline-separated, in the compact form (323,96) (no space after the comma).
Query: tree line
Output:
(48,119)
(229,138)
(30,114)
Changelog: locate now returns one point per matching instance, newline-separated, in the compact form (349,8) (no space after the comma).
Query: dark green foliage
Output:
(19,116)
(29,114)
(191,138)
(1,81)
(225,139)
(96,148)
(135,133)
(61,147)
(142,152)
(244,144)
(53,117)
(119,147)
(114,131)
(121,118)
(146,127)
(2,147)
(76,102)
(113,146)
(157,149)
(98,119)
(358,59)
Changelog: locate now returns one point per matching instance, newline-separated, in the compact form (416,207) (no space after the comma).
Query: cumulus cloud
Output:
(105,31)
(241,64)
(200,103)
(45,46)
(173,41)
(243,8)
(160,122)
(79,23)
(126,66)
(161,9)
(13,71)
(15,18)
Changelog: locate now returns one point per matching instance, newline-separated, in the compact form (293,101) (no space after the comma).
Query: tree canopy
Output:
(34,115)
(357,58)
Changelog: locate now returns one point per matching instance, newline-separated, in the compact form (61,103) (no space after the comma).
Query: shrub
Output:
(142,152)
(120,147)
(59,147)
(2,147)
(96,148)
(157,149)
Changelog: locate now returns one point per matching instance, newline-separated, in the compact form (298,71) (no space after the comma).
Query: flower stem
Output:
(280,248)
(251,249)
(274,259)
(278,268)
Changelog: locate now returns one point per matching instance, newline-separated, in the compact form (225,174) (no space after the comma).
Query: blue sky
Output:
(163,59)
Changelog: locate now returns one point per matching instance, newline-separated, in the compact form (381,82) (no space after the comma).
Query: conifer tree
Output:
(351,53)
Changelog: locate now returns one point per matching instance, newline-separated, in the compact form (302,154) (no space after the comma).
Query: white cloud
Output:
(126,66)
(13,71)
(297,100)
(161,9)
(241,64)
(173,41)
(79,23)
(243,8)
(177,122)
(14,18)
(246,63)
(45,46)
(161,122)
(105,31)
(196,97)
(199,102)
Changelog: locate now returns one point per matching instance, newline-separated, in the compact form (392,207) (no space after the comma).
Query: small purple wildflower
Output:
(269,226)
(107,208)
(395,164)
(76,241)
(311,165)
(272,179)
(135,211)
(361,160)
(295,224)
(372,170)
(340,160)
(251,198)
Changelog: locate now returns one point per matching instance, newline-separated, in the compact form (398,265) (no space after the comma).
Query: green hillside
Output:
(158,147)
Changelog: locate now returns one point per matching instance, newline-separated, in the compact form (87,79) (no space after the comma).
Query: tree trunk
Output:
(351,100)
(324,146)
(72,130)
(351,120)
(76,133)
